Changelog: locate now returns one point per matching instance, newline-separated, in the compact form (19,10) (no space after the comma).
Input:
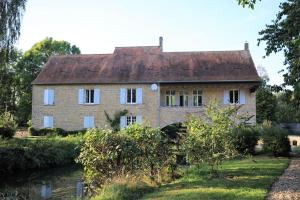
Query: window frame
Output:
(185,98)
(133,96)
(170,98)
(234,100)
(196,95)
(130,120)
(88,97)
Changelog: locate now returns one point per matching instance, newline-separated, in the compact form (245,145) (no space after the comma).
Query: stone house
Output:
(156,87)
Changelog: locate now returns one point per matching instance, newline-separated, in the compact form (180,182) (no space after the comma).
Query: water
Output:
(53,184)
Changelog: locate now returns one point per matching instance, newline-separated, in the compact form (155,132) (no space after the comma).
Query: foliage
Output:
(115,121)
(154,151)
(8,125)
(123,190)
(52,132)
(30,65)
(11,12)
(244,139)
(286,111)
(283,35)
(275,140)
(38,152)
(137,150)
(249,3)
(208,138)
(247,178)
(265,104)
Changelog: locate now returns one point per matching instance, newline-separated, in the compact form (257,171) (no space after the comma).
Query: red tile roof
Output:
(149,65)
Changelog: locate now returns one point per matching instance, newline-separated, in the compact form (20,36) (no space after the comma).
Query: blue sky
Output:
(97,26)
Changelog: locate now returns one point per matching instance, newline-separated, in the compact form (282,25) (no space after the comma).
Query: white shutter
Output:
(139,95)
(97,96)
(50,96)
(46,97)
(122,95)
(226,97)
(81,96)
(242,97)
(50,121)
(86,122)
(92,122)
(122,122)
(139,119)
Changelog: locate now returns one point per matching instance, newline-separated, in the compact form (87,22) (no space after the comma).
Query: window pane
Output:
(128,95)
(173,100)
(231,96)
(128,120)
(87,96)
(195,92)
(199,100)
(133,95)
(181,100)
(186,101)
(173,92)
(167,100)
(168,92)
(133,119)
(194,100)
(92,96)
(236,96)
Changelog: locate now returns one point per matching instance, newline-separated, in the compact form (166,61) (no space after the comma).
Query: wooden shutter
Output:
(122,95)
(50,119)
(48,122)
(86,122)
(81,96)
(122,122)
(242,97)
(139,119)
(97,96)
(139,95)
(226,97)
(92,122)
(46,97)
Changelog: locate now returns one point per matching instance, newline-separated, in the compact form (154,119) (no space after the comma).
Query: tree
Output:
(208,139)
(30,65)
(249,3)
(283,35)
(11,12)
(265,104)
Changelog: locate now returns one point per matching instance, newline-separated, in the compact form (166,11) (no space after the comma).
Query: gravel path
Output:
(288,185)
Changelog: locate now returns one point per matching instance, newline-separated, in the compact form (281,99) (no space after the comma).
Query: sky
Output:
(98,26)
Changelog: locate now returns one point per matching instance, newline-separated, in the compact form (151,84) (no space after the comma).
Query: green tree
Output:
(30,65)
(249,3)
(11,12)
(266,104)
(208,139)
(283,35)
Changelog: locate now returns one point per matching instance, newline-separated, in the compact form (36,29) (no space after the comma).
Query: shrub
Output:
(25,154)
(8,125)
(244,139)
(275,140)
(208,138)
(52,132)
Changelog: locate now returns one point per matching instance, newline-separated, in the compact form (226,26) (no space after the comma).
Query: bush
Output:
(51,132)
(8,125)
(275,140)
(25,154)
(244,139)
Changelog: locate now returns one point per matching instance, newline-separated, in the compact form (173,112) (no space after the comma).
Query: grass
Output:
(241,179)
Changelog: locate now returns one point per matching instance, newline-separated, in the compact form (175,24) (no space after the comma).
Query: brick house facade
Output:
(157,88)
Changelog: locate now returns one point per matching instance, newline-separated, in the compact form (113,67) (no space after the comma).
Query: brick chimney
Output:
(161,42)
(246,46)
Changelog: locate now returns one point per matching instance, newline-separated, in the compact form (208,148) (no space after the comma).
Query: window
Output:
(48,121)
(89,96)
(89,122)
(234,96)
(294,142)
(130,120)
(197,98)
(48,97)
(131,95)
(183,98)
(170,98)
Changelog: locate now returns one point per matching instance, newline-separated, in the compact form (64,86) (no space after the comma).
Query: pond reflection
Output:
(57,183)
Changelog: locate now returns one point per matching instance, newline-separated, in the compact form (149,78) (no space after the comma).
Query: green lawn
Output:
(242,179)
